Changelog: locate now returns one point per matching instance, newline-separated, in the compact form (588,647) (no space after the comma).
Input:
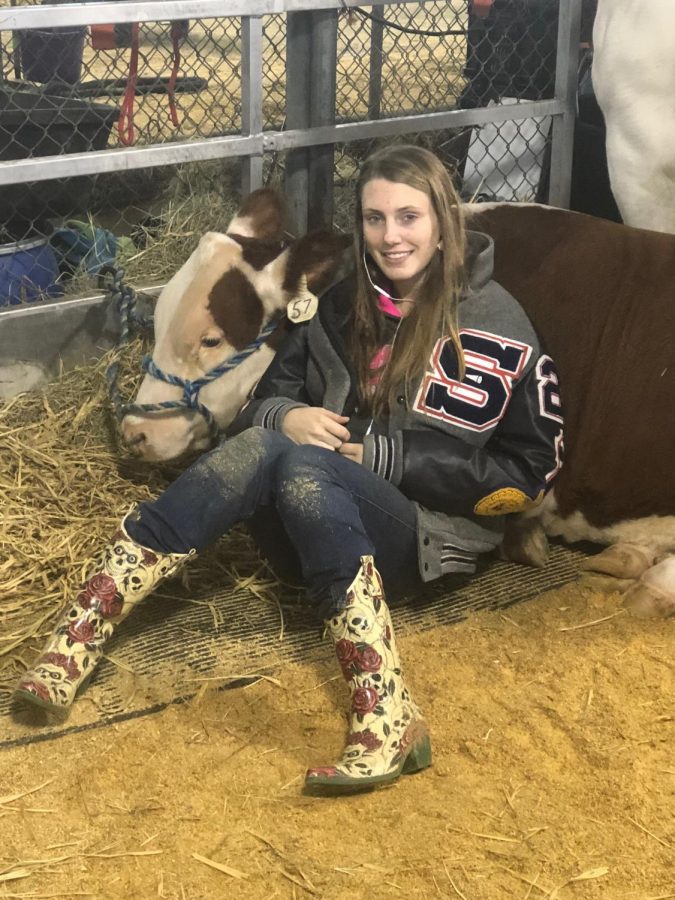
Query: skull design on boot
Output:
(387,736)
(121,575)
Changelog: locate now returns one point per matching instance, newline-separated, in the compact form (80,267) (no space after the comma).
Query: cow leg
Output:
(653,596)
(624,561)
(524,542)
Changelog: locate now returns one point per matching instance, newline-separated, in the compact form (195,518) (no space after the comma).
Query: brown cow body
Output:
(601,297)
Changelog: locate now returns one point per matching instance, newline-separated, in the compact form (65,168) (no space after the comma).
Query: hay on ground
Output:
(64,486)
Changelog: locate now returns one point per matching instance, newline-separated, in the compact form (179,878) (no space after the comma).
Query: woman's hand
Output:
(352,451)
(315,425)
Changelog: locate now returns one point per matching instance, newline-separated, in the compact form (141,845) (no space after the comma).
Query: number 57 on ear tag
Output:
(304,305)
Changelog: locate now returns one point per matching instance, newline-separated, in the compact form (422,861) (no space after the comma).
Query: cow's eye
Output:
(210,341)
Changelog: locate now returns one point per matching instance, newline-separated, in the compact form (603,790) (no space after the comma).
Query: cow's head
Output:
(217,305)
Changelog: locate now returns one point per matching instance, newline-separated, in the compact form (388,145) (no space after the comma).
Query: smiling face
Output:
(400,231)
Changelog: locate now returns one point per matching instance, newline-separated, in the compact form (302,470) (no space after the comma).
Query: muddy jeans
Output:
(301,501)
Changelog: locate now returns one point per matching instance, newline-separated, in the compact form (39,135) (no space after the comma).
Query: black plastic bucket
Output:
(54,54)
(33,123)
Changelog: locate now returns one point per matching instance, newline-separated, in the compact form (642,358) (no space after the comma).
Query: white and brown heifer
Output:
(601,297)
(634,81)
(215,306)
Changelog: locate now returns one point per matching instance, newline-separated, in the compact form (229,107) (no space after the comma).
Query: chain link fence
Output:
(65,90)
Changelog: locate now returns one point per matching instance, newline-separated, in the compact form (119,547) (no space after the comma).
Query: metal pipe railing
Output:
(254,142)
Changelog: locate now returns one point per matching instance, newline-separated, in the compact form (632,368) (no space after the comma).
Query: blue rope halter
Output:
(126,297)
(191,389)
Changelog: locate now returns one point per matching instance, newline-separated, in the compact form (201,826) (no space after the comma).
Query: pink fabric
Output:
(388,306)
(381,358)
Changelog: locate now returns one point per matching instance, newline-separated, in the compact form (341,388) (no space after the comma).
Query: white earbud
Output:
(372,283)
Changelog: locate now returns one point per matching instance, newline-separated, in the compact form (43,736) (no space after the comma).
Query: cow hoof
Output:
(621,561)
(525,542)
(606,583)
(653,597)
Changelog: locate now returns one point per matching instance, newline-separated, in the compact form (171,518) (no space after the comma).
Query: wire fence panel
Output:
(395,61)
(172,80)
(433,56)
(140,86)
(274,72)
(421,51)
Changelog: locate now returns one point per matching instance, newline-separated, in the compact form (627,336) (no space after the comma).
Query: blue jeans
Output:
(310,503)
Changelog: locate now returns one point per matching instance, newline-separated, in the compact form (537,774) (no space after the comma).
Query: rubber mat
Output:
(165,652)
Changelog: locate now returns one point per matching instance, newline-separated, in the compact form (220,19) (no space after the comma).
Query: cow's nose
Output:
(137,444)
(134,437)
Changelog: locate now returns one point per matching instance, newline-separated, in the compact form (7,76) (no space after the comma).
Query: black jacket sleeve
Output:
(282,386)
(511,473)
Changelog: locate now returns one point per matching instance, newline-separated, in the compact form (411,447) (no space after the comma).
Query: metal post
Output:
(298,94)
(251,98)
(323,67)
(562,142)
(375,75)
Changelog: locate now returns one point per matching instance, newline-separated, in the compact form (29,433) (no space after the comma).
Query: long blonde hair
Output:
(437,299)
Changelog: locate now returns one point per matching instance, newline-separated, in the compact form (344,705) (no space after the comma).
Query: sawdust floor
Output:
(553,777)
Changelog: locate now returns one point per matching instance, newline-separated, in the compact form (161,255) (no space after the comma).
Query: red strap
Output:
(125,123)
(481,7)
(177,32)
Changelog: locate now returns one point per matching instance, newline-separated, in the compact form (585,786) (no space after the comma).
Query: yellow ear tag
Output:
(304,305)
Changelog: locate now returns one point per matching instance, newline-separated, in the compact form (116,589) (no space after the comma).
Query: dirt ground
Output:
(553,777)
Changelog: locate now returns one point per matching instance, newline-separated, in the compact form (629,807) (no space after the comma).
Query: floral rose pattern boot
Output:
(387,736)
(121,575)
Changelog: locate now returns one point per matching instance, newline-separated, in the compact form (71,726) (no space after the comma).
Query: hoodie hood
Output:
(480,259)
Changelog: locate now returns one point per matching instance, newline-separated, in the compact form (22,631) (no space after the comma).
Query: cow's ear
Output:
(261,216)
(317,257)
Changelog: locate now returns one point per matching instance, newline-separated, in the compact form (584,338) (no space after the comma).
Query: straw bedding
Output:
(64,486)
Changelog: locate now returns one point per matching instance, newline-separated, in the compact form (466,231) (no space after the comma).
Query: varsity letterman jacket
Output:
(466,453)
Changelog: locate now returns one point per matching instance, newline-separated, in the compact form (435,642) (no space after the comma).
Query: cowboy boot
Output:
(387,736)
(120,576)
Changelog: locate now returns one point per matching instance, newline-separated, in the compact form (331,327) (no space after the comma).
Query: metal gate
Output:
(126,129)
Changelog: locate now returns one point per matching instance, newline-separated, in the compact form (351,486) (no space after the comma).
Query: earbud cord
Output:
(378,288)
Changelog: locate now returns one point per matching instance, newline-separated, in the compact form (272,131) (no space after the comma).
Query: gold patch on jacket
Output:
(506,500)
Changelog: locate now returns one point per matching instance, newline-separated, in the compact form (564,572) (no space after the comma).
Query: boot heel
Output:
(419,757)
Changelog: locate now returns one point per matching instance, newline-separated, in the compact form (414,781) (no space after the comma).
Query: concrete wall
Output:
(36,341)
